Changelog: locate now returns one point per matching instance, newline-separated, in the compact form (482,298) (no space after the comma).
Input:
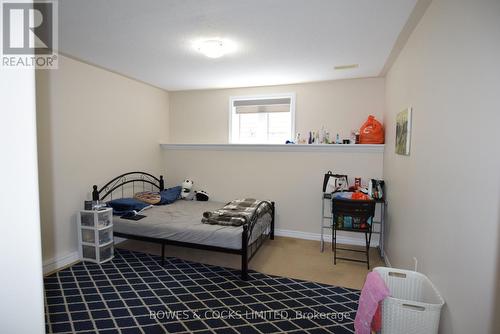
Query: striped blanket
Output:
(237,212)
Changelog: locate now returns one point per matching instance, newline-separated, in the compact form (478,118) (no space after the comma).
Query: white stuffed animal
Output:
(186,193)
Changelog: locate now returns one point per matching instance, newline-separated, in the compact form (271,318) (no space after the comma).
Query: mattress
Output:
(181,221)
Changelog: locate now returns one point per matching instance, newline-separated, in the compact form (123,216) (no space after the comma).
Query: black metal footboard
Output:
(249,246)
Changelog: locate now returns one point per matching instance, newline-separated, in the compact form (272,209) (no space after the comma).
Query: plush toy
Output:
(186,193)
(201,195)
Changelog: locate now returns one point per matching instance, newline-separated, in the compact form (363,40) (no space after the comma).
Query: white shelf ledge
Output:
(354,148)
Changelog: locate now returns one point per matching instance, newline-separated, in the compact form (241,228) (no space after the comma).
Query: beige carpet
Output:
(286,257)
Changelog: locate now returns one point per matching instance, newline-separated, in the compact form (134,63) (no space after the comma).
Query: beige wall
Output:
(292,179)
(341,105)
(92,125)
(444,197)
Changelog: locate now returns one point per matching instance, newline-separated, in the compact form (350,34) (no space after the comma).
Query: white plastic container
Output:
(414,306)
(95,235)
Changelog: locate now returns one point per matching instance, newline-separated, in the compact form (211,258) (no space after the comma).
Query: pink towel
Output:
(372,293)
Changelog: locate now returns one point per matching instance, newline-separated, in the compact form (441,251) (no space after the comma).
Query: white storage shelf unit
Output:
(95,235)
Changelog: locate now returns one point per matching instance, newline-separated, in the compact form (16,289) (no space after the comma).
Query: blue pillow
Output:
(170,195)
(122,206)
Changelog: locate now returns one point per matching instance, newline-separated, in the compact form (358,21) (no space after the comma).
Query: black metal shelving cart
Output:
(352,216)
(326,221)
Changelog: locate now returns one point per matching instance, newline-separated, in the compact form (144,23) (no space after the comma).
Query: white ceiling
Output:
(279,41)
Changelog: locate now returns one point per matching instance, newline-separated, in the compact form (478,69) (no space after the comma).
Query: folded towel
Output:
(374,291)
(237,212)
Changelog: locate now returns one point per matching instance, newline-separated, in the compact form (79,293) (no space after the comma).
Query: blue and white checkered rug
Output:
(133,293)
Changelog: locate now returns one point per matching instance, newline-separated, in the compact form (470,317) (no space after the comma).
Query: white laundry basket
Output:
(414,305)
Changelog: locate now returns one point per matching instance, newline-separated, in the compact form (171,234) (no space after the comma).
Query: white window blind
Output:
(262,106)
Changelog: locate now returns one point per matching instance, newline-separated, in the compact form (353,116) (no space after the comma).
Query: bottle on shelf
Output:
(352,139)
(327,138)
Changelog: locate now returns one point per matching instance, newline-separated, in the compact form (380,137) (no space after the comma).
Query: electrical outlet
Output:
(415,263)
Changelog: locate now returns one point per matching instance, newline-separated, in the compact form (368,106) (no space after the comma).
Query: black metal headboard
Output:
(120,181)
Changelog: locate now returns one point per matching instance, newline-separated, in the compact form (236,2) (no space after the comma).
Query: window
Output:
(262,119)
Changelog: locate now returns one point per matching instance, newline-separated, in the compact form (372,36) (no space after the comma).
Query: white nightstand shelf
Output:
(95,235)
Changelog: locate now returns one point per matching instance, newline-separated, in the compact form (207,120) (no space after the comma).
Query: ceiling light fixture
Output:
(214,47)
(346,67)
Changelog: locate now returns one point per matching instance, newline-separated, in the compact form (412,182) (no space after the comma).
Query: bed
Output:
(180,223)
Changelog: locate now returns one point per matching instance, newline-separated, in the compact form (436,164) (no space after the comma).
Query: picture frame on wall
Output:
(403,131)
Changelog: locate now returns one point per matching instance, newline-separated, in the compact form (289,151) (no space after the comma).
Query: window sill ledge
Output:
(355,148)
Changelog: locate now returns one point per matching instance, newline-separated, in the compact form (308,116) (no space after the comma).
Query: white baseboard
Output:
(54,264)
(342,239)
(60,262)
(386,260)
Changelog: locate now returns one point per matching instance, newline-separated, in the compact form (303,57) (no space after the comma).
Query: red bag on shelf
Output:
(371,132)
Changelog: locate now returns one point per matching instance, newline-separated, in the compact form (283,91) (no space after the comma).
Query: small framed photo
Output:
(403,132)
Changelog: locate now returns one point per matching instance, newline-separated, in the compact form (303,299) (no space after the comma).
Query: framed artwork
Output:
(403,132)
